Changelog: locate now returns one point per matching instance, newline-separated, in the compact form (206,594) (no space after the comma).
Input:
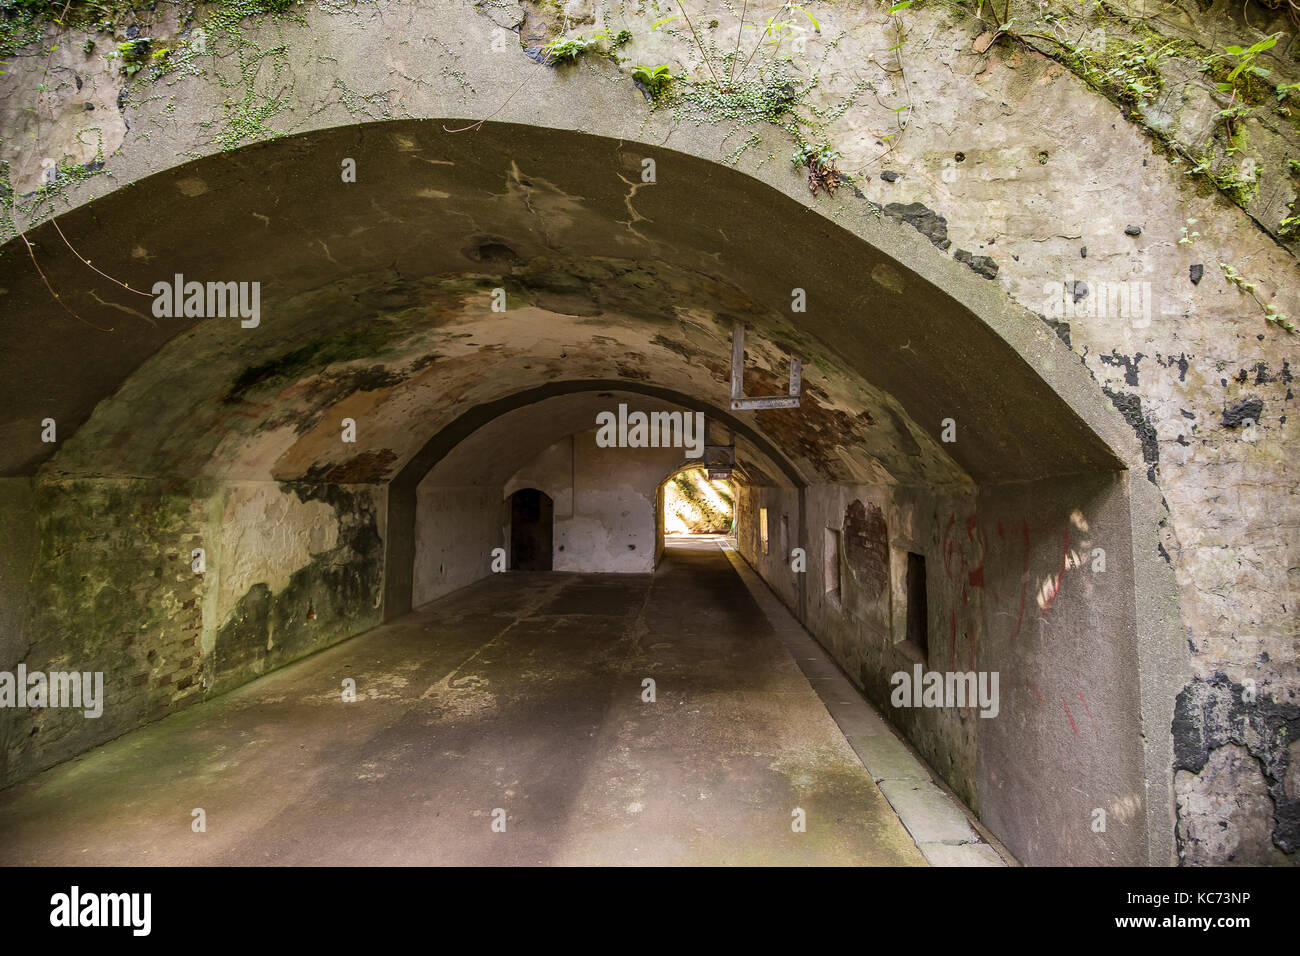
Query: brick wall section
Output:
(866,547)
(111,591)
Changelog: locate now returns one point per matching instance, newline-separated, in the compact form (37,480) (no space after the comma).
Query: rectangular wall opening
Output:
(762,528)
(918,613)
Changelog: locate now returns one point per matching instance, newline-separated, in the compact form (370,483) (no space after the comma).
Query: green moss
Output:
(1127,70)
(774,96)
(22,22)
(43,202)
(769,99)
(362,342)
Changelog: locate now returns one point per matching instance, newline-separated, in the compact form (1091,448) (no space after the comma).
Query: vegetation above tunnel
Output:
(1135,61)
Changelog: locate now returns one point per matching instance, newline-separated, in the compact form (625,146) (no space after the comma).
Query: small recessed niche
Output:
(831,564)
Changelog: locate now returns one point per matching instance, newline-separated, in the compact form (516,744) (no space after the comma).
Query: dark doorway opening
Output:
(531,527)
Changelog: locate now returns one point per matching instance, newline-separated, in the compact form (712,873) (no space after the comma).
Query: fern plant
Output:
(655,79)
(568,49)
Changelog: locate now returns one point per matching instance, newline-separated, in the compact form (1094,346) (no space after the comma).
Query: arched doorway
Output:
(532,515)
(692,509)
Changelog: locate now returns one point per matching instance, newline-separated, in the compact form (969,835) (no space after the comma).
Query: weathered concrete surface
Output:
(1032,583)
(523,692)
(605,501)
(384,315)
(940,825)
(1005,154)
(103,578)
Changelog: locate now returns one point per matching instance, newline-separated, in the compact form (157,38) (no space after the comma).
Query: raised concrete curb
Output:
(937,822)
(967,854)
(929,814)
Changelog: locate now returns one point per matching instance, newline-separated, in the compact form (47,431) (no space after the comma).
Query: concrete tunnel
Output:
(444,332)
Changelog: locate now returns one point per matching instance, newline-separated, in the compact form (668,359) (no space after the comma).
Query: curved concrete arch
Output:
(439,445)
(901,314)
(440,220)
(685,465)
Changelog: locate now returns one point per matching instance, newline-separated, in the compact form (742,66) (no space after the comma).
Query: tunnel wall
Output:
(865,629)
(103,569)
(301,567)
(18,531)
(1017,584)
(604,502)
(864,624)
(455,532)
(1061,771)
(774,565)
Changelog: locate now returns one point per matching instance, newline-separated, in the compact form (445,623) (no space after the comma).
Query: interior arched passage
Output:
(459,474)
(405,318)
(736,475)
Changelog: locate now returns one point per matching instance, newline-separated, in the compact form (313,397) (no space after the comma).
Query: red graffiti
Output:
(949,546)
(1089,710)
(1066,707)
(1071,716)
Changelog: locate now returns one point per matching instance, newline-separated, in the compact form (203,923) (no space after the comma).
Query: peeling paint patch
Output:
(924,220)
(1128,363)
(1130,406)
(334,592)
(1215,714)
(1242,411)
(267,535)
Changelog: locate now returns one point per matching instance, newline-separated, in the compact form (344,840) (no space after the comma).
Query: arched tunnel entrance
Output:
(696,499)
(439,339)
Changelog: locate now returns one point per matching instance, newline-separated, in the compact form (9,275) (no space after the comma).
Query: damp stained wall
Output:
(102,579)
(605,501)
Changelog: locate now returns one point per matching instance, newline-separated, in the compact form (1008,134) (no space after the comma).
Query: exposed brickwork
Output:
(866,547)
(112,591)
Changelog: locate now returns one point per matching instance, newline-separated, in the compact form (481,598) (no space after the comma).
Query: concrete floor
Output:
(521,692)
